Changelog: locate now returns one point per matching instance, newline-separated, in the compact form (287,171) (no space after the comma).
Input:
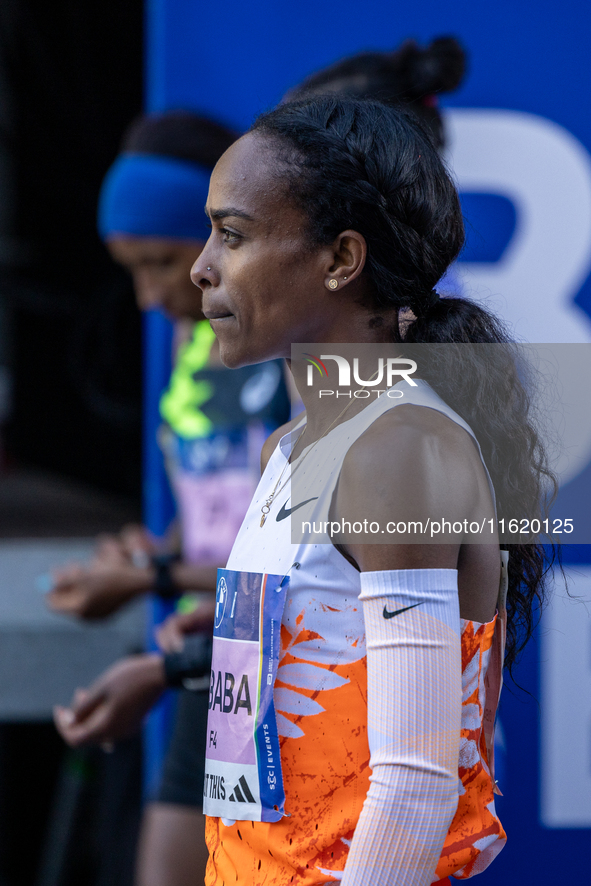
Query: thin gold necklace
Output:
(267,506)
(269,502)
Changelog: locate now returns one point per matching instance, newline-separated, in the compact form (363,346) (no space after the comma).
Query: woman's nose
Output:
(202,272)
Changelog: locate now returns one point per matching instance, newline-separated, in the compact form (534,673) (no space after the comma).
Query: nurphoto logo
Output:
(390,371)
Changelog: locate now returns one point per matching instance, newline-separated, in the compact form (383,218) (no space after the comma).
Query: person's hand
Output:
(171,633)
(132,547)
(113,707)
(97,590)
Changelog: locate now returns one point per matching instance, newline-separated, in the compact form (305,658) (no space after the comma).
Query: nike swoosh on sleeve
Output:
(285,512)
(387,614)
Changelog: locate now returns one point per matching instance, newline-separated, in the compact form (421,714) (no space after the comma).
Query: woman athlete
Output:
(329,218)
(411,75)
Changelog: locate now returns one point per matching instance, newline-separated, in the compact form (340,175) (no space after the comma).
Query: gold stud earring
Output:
(333,283)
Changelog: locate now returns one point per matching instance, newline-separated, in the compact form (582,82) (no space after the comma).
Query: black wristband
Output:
(190,664)
(164,584)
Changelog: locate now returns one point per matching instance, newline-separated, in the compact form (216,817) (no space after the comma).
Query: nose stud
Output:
(209,269)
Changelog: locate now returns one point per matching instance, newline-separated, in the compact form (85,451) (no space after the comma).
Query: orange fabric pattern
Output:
(325,764)
(476,835)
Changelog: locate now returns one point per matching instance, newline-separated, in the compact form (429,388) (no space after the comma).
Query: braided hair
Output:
(368,167)
(342,170)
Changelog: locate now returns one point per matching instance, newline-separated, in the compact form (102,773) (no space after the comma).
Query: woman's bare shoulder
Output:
(414,472)
(415,447)
(412,466)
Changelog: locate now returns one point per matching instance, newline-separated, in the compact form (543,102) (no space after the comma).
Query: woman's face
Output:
(161,273)
(264,285)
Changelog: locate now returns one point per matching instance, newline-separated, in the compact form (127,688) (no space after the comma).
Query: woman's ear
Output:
(349,252)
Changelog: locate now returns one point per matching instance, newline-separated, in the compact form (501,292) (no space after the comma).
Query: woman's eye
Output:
(229,236)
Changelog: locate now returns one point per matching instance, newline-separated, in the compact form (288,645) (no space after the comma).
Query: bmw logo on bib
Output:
(221,598)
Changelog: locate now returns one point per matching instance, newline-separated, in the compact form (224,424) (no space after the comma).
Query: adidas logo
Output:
(238,796)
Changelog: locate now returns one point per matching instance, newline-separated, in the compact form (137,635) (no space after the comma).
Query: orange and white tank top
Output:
(320,691)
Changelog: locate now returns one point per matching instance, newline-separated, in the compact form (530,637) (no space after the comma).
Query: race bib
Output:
(242,768)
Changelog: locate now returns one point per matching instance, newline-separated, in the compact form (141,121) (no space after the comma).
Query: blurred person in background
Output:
(214,423)
(413,77)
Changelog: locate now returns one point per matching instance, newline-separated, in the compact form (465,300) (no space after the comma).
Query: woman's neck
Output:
(340,375)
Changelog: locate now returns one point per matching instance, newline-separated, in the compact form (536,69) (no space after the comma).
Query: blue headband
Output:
(147,195)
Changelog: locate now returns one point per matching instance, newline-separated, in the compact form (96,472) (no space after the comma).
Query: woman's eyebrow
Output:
(219,214)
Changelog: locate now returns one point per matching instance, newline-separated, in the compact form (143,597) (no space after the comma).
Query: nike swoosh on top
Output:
(387,614)
(285,512)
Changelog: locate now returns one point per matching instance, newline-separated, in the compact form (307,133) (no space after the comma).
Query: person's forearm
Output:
(185,576)
(188,577)
(402,827)
(194,662)
(414,693)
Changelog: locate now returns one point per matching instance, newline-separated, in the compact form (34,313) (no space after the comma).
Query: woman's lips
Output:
(217,315)
(215,310)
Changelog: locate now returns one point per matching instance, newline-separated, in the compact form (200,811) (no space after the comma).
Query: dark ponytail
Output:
(412,75)
(371,168)
(485,379)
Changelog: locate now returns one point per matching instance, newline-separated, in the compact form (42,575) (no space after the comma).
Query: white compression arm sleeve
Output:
(414,696)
